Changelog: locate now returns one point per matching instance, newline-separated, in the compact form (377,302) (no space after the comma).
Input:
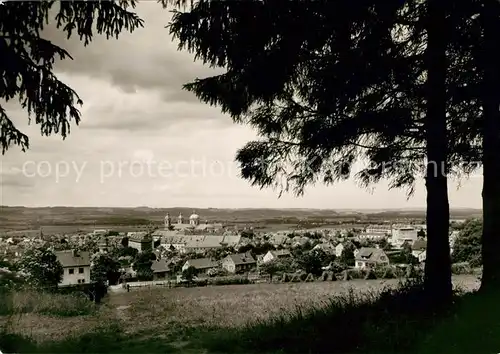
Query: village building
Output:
(403,234)
(103,245)
(375,232)
(379,230)
(192,226)
(368,257)
(161,269)
(235,263)
(339,249)
(278,238)
(142,241)
(76,267)
(325,247)
(419,250)
(276,255)
(199,243)
(300,241)
(202,265)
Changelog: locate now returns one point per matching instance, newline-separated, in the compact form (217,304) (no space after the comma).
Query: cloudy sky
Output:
(143,141)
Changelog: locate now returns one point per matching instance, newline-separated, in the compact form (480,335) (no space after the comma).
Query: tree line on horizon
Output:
(326,84)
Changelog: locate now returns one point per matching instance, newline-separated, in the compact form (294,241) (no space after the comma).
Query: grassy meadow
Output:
(295,317)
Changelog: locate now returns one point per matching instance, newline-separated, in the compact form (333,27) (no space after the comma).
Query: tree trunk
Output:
(491,145)
(438,263)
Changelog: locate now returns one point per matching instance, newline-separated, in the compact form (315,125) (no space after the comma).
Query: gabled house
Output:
(419,250)
(234,263)
(202,265)
(275,255)
(161,268)
(369,257)
(325,247)
(76,267)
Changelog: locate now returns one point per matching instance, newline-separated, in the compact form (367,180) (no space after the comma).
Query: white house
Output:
(238,262)
(338,249)
(403,234)
(368,257)
(378,229)
(376,232)
(275,255)
(76,267)
(419,250)
(372,236)
(452,239)
(100,232)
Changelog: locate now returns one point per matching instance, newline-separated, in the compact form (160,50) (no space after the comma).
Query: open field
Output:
(70,219)
(236,305)
(172,314)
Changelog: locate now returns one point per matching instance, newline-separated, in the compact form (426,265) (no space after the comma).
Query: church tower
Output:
(180,219)
(194,219)
(168,222)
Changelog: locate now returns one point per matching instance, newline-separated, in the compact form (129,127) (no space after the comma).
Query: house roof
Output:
(212,241)
(160,266)
(231,240)
(325,247)
(419,245)
(202,263)
(277,239)
(206,242)
(241,258)
(165,233)
(369,253)
(280,253)
(140,236)
(73,259)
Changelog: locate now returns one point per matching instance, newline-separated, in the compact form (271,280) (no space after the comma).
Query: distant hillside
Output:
(32,218)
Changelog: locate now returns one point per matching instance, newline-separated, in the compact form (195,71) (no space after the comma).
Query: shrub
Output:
(345,275)
(201,282)
(235,280)
(413,272)
(10,281)
(461,268)
(389,273)
(356,273)
(370,275)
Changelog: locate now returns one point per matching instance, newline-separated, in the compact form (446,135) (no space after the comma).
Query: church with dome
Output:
(191,235)
(190,225)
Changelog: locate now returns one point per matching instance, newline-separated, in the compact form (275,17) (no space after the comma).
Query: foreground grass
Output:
(52,304)
(394,321)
